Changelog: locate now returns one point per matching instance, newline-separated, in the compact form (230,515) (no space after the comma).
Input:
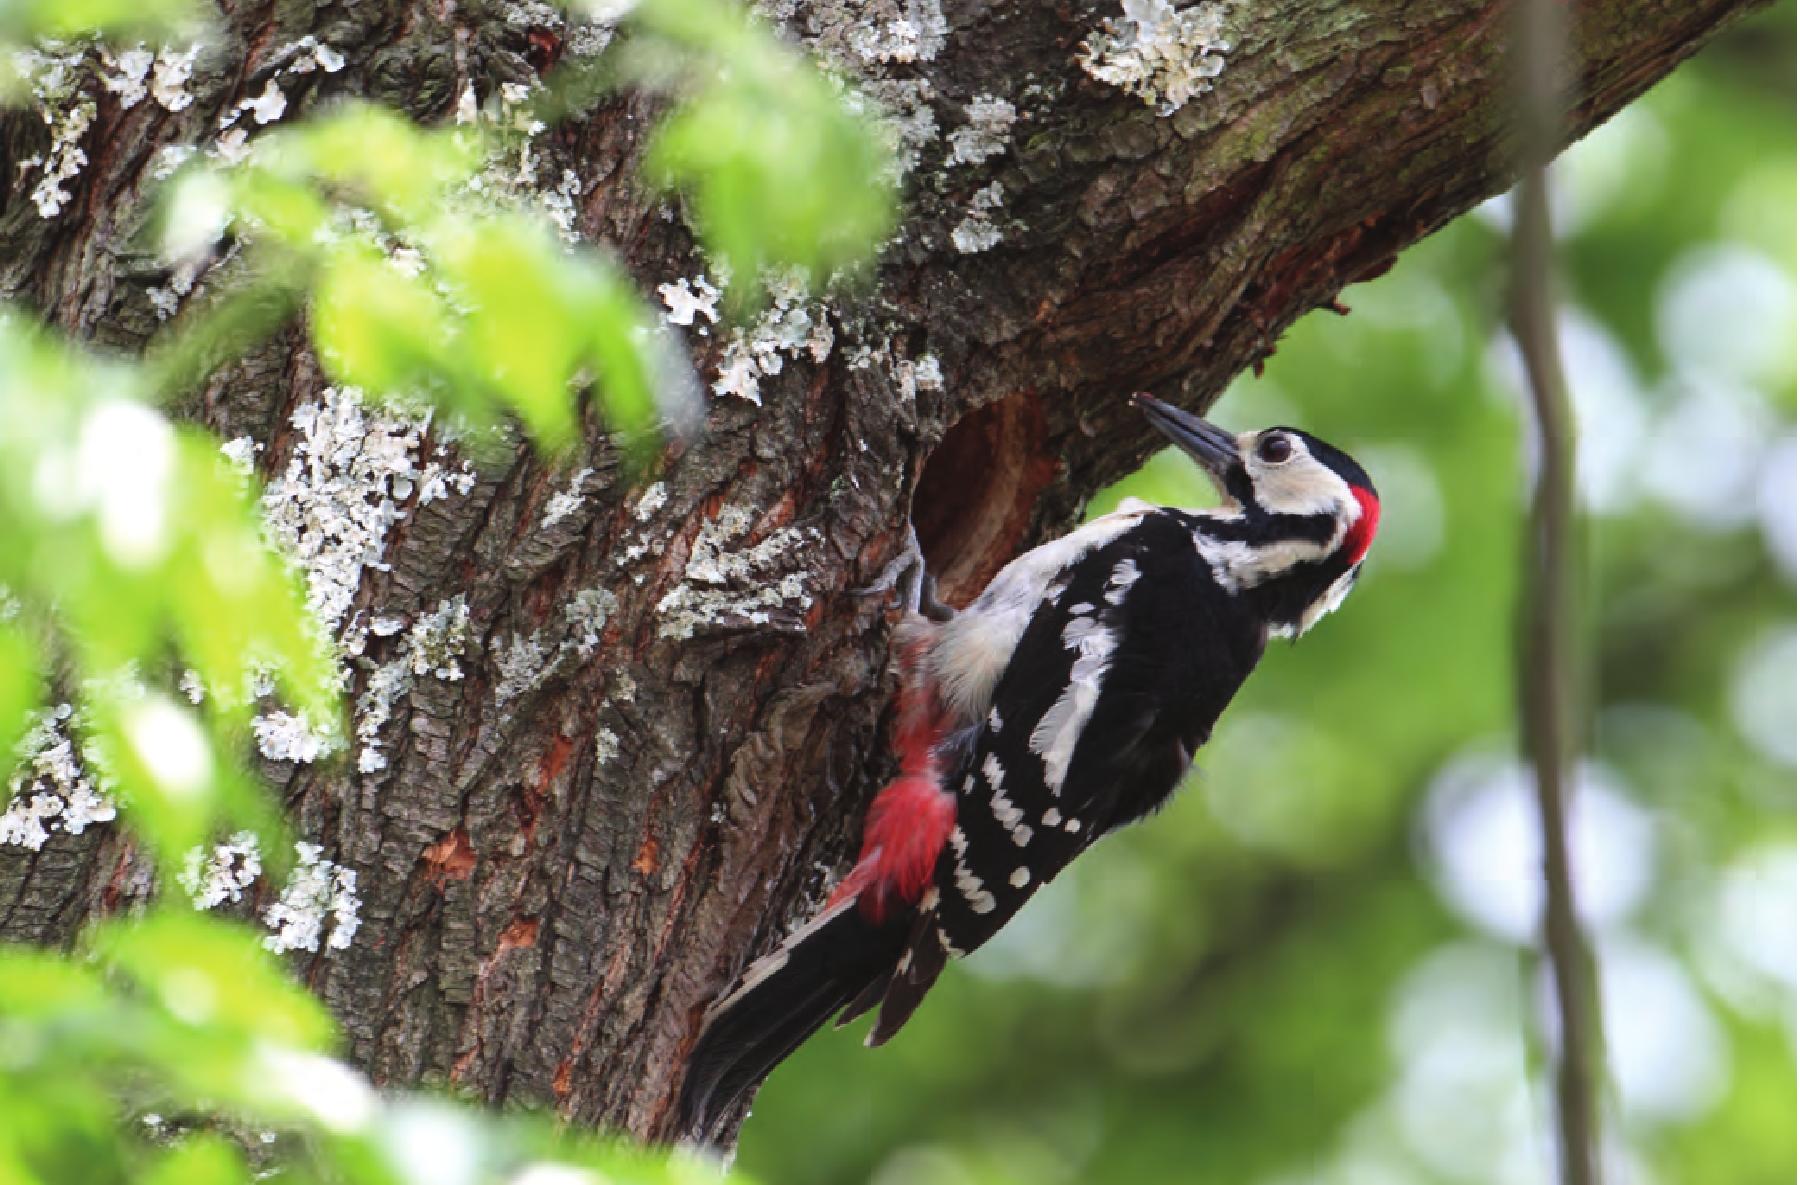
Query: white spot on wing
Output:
(1005,811)
(1055,736)
(1020,878)
(967,883)
(1124,574)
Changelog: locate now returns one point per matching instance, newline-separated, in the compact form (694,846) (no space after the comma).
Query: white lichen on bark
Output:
(788,328)
(56,81)
(55,785)
(222,874)
(523,661)
(724,585)
(1163,55)
(689,298)
(353,473)
(586,614)
(567,501)
(987,133)
(977,231)
(432,648)
(318,892)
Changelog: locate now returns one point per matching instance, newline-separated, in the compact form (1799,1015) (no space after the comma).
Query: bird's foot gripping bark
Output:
(907,574)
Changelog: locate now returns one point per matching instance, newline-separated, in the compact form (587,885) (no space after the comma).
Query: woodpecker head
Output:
(1300,515)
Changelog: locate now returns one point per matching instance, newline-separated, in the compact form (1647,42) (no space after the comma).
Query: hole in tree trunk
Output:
(975,498)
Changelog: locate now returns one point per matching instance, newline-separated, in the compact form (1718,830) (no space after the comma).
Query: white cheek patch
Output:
(1302,487)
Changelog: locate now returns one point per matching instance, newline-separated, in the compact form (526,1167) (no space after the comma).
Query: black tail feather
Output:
(778,1003)
(918,968)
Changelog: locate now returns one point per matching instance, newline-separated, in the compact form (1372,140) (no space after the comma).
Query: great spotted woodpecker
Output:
(1066,701)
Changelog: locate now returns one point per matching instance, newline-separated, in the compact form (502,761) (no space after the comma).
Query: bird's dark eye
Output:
(1274,448)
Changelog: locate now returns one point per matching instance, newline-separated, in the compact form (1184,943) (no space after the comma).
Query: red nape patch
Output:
(1362,531)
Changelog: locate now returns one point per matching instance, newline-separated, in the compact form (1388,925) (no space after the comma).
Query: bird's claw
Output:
(906,574)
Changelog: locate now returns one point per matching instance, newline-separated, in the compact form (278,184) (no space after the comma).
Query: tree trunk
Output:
(671,709)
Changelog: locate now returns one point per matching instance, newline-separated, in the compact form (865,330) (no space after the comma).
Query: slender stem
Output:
(1549,677)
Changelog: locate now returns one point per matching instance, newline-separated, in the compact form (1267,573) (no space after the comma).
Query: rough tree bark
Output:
(559,868)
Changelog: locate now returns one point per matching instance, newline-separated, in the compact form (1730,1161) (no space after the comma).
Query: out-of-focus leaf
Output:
(136,532)
(37,984)
(620,344)
(376,327)
(214,977)
(521,328)
(20,687)
(776,168)
(200,1159)
(29,20)
(374,156)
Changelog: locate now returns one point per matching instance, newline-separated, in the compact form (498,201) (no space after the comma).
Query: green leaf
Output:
(20,687)
(29,20)
(201,1159)
(375,326)
(215,978)
(776,167)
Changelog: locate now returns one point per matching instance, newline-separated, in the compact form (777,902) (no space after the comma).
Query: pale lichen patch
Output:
(52,787)
(654,499)
(215,877)
(586,613)
(567,501)
(56,85)
(977,231)
(127,74)
(688,298)
(523,662)
(903,117)
(789,328)
(899,31)
(168,84)
(284,736)
(331,508)
(318,892)
(986,134)
(726,584)
(433,646)
(348,480)
(1163,55)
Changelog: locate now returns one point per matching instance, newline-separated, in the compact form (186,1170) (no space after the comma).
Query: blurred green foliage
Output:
(173,1047)
(1317,964)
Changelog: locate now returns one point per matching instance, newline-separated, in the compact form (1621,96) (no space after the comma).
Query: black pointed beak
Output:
(1214,448)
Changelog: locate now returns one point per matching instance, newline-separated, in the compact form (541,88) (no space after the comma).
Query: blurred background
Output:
(1317,965)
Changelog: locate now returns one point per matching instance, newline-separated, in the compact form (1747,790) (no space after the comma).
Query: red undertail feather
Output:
(1362,531)
(910,820)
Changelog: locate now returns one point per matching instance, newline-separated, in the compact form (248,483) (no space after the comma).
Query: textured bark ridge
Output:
(670,713)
